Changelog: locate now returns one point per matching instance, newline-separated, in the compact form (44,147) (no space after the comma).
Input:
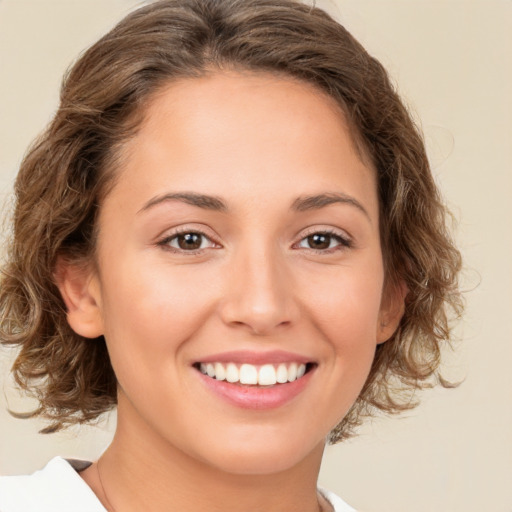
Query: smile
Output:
(256,375)
(256,380)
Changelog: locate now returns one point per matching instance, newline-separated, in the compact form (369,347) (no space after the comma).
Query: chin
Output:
(264,456)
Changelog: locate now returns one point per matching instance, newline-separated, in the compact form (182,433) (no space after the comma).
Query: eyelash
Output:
(343,241)
(165,242)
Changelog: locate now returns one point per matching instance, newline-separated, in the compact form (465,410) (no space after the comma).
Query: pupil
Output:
(319,241)
(189,241)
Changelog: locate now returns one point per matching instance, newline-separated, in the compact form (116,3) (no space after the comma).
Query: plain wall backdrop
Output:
(452,63)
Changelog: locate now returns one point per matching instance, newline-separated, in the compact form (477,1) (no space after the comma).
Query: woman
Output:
(229,232)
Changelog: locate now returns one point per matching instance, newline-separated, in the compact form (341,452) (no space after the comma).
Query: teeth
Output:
(232,374)
(220,372)
(249,374)
(282,374)
(267,375)
(292,372)
(210,370)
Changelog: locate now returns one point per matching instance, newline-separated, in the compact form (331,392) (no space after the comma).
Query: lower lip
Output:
(257,397)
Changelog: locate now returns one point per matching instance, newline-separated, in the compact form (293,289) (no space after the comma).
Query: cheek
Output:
(149,316)
(347,303)
(346,312)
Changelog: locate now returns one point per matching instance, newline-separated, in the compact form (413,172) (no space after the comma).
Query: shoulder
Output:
(337,503)
(55,488)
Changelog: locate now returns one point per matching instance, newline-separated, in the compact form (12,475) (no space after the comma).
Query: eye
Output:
(324,241)
(187,241)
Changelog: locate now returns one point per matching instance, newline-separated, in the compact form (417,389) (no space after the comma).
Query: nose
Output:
(260,292)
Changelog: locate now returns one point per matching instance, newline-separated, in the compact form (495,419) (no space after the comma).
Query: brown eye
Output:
(319,241)
(324,241)
(187,241)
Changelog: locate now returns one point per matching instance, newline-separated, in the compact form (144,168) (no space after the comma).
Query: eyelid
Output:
(164,239)
(346,241)
(326,229)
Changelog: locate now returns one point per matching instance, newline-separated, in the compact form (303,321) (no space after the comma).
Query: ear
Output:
(80,290)
(392,310)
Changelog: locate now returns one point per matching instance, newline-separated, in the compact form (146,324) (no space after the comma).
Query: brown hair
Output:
(69,169)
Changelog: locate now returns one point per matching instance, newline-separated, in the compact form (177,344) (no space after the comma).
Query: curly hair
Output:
(71,167)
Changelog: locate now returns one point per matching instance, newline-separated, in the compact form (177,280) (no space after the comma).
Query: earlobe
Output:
(391,311)
(79,288)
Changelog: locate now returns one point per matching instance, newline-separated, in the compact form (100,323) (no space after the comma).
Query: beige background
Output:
(452,60)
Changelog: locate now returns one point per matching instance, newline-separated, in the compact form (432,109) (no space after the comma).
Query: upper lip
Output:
(256,358)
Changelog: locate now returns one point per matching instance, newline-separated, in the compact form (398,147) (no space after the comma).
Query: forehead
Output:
(252,133)
(226,95)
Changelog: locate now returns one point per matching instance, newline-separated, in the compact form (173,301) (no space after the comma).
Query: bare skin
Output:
(206,491)
(287,261)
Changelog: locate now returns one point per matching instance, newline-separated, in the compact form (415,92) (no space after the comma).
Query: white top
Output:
(59,488)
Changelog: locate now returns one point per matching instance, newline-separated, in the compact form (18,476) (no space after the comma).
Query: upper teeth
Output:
(264,375)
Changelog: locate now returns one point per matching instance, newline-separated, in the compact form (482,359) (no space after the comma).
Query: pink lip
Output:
(256,358)
(256,397)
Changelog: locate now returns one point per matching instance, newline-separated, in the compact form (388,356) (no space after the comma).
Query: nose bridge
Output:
(260,290)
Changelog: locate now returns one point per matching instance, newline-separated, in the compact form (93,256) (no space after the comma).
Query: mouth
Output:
(261,375)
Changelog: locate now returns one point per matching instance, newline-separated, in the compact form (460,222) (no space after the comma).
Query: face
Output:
(239,277)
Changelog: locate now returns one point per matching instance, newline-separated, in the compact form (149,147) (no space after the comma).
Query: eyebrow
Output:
(301,204)
(315,202)
(200,200)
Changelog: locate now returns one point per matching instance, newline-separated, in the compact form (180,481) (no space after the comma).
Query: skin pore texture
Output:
(280,263)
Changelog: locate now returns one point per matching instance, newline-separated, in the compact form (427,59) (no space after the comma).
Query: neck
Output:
(140,471)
